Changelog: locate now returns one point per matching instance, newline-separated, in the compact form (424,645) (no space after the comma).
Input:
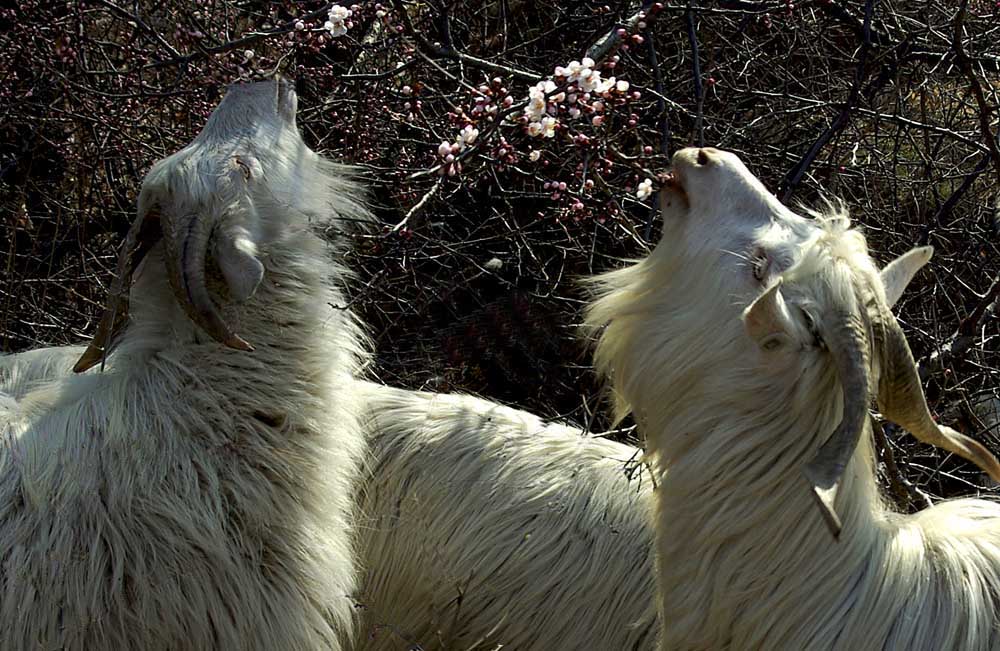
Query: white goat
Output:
(481,523)
(747,346)
(193,496)
(483,526)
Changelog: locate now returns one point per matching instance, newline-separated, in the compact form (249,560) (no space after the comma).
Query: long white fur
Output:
(744,561)
(20,372)
(192,496)
(480,523)
(482,526)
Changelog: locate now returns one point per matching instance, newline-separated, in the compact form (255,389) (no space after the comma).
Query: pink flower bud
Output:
(598,120)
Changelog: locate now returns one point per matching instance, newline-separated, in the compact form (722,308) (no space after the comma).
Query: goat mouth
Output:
(673,183)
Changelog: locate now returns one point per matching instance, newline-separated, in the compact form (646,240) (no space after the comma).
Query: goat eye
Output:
(811,326)
(760,264)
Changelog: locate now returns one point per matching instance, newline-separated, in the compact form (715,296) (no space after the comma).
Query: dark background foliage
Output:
(469,283)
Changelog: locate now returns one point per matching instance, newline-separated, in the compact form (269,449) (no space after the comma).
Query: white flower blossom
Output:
(336,24)
(537,99)
(467,136)
(444,149)
(534,155)
(534,129)
(549,126)
(645,189)
(621,86)
(340,13)
(604,85)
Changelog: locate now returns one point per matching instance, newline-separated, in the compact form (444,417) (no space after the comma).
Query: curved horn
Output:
(186,252)
(142,235)
(901,400)
(848,343)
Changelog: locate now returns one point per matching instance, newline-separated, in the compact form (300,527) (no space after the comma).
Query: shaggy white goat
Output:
(483,526)
(481,523)
(194,496)
(747,345)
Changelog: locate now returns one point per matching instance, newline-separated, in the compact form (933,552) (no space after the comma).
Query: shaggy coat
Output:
(482,526)
(192,496)
(744,559)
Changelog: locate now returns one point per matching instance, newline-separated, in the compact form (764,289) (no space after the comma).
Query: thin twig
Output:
(794,176)
(965,336)
(419,206)
(985,110)
(236,44)
(434,50)
(699,92)
(612,39)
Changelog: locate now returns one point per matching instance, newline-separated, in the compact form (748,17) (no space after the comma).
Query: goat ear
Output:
(898,273)
(238,261)
(767,319)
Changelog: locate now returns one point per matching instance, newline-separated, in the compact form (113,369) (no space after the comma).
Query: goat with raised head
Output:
(747,346)
(196,495)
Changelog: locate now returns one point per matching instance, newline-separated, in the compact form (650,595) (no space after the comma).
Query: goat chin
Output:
(480,526)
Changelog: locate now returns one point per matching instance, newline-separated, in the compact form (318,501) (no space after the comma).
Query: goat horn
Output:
(848,343)
(901,400)
(142,235)
(186,253)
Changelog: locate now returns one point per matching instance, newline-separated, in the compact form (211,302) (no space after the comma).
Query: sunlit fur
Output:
(482,526)
(22,372)
(744,561)
(191,496)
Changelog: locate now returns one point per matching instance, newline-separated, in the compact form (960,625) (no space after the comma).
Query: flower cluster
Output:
(575,91)
(339,21)
(644,190)
(448,150)
(581,91)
